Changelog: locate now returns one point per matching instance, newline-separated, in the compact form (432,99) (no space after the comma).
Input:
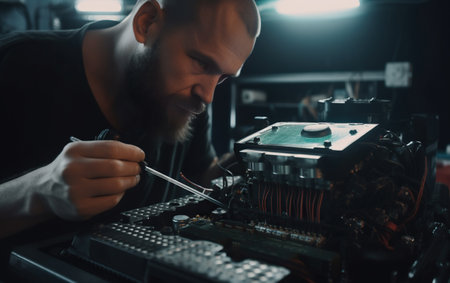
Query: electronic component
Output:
(160,213)
(356,110)
(317,202)
(303,154)
(140,254)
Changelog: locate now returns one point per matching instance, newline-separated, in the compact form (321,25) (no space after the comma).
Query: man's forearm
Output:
(21,206)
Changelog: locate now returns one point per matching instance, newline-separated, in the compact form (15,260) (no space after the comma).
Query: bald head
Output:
(181,12)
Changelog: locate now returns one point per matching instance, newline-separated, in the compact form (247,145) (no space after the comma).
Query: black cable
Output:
(229,173)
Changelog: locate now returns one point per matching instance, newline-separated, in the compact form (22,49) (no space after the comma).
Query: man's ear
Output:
(148,21)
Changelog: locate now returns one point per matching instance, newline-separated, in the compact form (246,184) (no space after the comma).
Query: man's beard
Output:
(149,104)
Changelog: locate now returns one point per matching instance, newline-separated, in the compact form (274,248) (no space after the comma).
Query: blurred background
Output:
(381,61)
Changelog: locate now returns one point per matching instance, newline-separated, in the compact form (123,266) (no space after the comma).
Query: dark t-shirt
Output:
(45,98)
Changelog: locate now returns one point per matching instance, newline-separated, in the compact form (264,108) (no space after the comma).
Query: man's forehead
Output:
(223,36)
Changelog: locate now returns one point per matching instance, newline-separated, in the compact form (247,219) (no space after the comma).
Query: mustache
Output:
(193,104)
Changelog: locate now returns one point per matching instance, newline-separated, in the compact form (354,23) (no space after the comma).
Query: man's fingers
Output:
(105,168)
(108,186)
(92,176)
(106,150)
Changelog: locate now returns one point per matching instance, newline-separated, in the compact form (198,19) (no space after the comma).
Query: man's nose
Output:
(205,88)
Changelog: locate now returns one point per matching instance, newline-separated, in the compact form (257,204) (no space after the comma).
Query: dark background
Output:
(377,33)
(380,32)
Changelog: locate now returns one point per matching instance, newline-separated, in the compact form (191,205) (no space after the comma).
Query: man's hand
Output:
(89,177)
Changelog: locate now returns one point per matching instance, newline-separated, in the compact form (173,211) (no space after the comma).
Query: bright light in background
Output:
(314,7)
(99,6)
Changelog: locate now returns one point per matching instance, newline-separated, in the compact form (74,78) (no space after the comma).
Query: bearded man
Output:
(147,78)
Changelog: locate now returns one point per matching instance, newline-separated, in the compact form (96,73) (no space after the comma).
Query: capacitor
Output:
(180,221)
(218,214)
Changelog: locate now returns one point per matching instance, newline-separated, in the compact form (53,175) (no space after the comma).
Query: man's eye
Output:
(200,63)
